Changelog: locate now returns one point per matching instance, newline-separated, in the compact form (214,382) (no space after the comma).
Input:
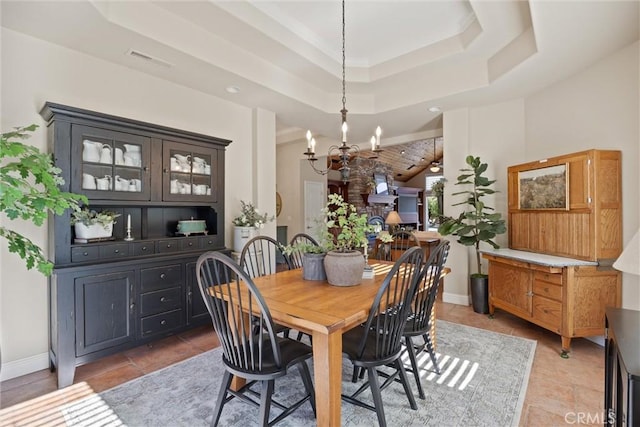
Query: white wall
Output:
(495,133)
(33,72)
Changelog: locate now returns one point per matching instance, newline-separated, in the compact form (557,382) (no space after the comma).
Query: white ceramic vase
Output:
(241,235)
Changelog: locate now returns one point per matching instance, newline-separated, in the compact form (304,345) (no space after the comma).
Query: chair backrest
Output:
(263,255)
(391,306)
(403,240)
(376,220)
(228,292)
(295,259)
(427,289)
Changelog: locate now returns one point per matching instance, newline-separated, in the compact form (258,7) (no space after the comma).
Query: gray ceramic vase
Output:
(344,268)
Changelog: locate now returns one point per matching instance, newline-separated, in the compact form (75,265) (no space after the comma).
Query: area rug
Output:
(483,382)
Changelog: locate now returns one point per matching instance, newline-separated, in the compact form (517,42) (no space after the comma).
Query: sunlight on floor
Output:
(466,371)
(76,405)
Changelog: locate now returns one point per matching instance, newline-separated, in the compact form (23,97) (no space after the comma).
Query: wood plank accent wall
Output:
(591,227)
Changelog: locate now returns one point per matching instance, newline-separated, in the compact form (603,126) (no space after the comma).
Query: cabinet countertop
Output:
(535,258)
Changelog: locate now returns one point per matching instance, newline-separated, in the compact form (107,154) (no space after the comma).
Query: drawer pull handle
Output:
(164,322)
(132,306)
(85,253)
(116,251)
(168,245)
(162,276)
(144,248)
(163,299)
(211,242)
(190,243)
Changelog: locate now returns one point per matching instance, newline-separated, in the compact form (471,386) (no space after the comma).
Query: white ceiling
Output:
(285,56)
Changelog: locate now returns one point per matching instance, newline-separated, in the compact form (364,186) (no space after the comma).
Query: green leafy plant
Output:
(30,190)
(90,217)
(385,237)
(344,226)
(476,224)
(251,217)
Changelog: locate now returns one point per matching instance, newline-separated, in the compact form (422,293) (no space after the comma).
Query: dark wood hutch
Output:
(112,295)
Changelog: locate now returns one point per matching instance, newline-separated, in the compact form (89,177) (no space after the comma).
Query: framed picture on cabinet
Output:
(544,188)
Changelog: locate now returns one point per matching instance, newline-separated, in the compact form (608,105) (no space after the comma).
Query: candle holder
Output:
(128,237)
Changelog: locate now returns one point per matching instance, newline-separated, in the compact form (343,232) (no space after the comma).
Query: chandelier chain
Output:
(344,85)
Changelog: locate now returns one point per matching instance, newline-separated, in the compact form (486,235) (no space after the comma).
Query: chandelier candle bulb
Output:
(313,145)
(373,143)
(129,222)
(378,133)
(308,140)
(344,131)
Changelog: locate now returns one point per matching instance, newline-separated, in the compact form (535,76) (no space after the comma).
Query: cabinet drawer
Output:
(114,251)
(85,253)
(548,312)
(160,323)
(207,242)
(160,301)
(153,279)
(548,290)
(555,278)
(142,248)
(169,245)
(189,244)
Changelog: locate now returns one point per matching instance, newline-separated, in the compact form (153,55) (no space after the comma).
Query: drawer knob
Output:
(163,299)
(168,245)
(116,251)
(144,248)
(164,322)
(85,253)
(190,243)
(162,276)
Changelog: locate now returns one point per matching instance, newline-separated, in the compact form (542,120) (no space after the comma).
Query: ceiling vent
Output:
(146,57)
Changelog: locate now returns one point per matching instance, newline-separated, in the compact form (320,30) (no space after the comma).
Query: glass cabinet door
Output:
(189,172)
(108,164)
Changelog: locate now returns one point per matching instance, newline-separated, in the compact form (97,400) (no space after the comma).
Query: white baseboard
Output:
(455,298)
(25,366)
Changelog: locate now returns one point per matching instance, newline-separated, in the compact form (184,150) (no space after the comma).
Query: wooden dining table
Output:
(325,312)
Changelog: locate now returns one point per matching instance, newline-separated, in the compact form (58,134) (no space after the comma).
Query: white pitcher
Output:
(119,156)
(88,181)
(91,151)
(104,183)
(105,155)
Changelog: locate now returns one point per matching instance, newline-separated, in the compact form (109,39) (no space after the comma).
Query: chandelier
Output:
(343,151)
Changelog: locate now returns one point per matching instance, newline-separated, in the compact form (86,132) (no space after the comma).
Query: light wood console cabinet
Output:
(557,271)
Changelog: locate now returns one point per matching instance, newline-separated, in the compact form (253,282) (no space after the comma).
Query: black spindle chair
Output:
(421,317)
(378,341)
(255,354)
(295,259)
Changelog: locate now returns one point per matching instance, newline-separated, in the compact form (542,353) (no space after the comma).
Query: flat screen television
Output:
(381,183)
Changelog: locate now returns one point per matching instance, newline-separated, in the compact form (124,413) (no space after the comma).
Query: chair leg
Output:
(222,394)
(374,384)
(308,384)
(414,366)
(432,354)
(405,384)
(265,401)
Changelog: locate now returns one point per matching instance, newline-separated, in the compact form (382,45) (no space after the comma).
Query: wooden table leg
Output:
(237,383)
(327,368)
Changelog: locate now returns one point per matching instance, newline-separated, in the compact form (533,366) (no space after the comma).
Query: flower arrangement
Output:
(251,217)
(92,217)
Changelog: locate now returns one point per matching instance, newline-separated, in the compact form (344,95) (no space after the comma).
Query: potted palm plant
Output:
(347,230)
(475,225)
